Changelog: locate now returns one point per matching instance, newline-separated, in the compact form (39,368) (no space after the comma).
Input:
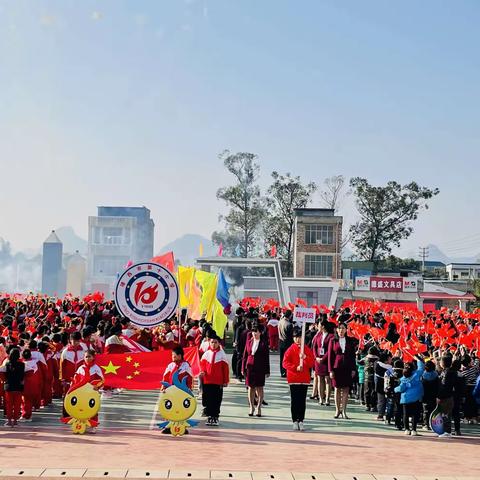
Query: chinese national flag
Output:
(141,371)
(167,260)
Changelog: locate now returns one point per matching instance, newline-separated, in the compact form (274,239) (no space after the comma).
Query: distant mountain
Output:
(71,241)
(435,254)
(186,248)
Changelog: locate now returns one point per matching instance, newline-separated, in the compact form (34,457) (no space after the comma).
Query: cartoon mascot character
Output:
(176,405)
(82,404)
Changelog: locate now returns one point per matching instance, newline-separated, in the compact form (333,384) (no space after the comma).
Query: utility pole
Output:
(424,253)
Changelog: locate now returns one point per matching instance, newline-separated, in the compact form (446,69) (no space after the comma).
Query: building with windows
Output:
(116,236)
(463,271)
(317,243)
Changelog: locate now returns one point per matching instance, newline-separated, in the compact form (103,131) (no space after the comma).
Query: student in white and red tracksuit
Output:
(179,365)
(70,359)
(31,385)
(298,377)
(94,375)
(214,371)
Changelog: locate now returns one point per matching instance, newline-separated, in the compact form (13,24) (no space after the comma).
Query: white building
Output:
(463,271)
(116,236)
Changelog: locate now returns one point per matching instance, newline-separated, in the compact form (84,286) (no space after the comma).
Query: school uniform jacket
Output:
(183,370)
(291,361)
(214,365)
(70,359)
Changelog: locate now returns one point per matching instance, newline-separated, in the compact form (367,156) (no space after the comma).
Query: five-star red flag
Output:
(141,371)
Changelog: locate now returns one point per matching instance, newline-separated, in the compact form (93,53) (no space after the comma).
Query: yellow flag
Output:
(184,277)
(200,250)
(194,297)
(208,282)
(219,319)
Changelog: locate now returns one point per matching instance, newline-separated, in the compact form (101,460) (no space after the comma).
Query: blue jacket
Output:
(411,388)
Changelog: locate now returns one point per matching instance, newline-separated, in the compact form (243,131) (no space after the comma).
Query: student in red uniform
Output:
(93,374)
(214,371)
(54,360)
(13,371)
(272,328)
(114,343)
(70,359)
(297,366)
(31,386)
(47,371)
(179,365)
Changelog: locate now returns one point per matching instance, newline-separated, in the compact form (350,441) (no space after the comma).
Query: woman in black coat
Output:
(342,368)
(256,367)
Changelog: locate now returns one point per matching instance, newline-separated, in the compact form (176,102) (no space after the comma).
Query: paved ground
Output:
(128,438)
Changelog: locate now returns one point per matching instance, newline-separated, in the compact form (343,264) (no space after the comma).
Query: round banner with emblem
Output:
(146,293)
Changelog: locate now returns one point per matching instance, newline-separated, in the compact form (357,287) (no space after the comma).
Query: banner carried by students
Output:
(141,371)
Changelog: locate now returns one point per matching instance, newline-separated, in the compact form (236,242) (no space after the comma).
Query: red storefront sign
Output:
(386,284)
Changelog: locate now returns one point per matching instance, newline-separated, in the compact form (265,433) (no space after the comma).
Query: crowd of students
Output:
(44,344)
(400,386)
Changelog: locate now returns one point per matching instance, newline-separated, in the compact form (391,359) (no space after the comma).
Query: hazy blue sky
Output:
(115,102)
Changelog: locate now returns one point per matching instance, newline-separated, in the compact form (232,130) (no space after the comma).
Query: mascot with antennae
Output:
(177,405)
(82,404)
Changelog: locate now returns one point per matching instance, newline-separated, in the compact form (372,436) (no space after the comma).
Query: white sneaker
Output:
(425,427)
(106,395)
(300,426)
(93,430)
(24,420)
(414,433)
(445,435)
(408,432)
(295,426)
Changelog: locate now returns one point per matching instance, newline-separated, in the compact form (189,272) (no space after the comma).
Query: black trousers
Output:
(410,410)
(298,402)
(212,396)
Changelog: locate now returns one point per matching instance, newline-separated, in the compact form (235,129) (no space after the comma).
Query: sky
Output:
(130,102)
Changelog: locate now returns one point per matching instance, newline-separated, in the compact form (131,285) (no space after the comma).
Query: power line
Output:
(424,253)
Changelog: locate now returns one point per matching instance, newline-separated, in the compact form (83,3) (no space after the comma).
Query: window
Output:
(318,234)
(311,298)
(112,235)
(318,265)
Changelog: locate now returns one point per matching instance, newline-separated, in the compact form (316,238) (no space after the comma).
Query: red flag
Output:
(167,260)
(273,251)
(220,250)
(141,371)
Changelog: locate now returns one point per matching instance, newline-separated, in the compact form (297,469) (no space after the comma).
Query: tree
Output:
(386,214)
(285,194)
(244,199)
(334,192)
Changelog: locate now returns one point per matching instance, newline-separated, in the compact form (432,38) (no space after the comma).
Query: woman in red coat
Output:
(255,367)
(298,367)
(320,347)
(341,367)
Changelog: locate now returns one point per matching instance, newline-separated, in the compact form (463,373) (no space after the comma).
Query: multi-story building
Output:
(317,243)
(116,236)
(53,276)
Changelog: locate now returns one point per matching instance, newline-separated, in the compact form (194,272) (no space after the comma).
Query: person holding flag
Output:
(297,366)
